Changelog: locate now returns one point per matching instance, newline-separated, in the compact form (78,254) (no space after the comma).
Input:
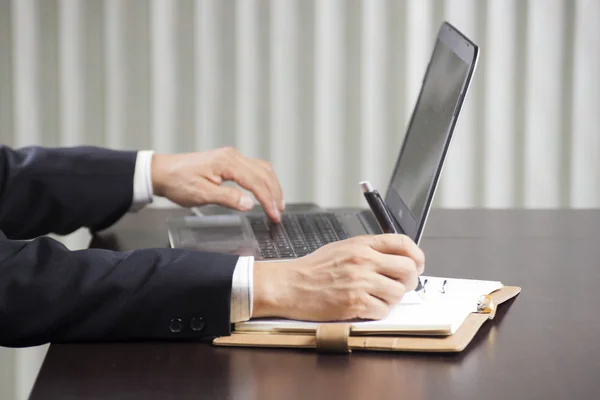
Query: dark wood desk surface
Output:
(544,344)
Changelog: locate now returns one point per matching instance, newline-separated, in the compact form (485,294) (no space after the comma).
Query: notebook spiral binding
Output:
(441,290)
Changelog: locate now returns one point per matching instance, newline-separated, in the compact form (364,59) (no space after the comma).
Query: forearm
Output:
(60,190)
(51,294)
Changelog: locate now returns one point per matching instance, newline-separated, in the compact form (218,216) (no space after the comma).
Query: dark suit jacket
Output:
(51,294)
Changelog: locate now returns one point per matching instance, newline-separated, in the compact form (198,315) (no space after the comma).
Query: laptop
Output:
(409,194)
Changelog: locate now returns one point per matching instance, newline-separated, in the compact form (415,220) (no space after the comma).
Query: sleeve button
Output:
(176,325)
(197,324)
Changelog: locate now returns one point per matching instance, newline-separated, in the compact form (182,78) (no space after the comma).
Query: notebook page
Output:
(432,312)
(425,319)
(287,325)
(411,316)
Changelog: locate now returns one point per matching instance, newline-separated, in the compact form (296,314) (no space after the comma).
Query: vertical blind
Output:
(321,88)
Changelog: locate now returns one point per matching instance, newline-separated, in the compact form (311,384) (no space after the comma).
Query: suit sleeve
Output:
(51,294)
(60,190)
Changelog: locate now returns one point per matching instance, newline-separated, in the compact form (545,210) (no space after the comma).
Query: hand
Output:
(195,179)
(361,277)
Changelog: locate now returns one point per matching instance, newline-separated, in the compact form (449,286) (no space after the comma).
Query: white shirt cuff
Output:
(142,180)
(242,290)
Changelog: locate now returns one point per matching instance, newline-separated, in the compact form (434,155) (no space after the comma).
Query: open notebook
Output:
(439,310)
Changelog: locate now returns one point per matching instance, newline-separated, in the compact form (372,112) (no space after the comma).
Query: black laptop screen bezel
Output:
(468,52)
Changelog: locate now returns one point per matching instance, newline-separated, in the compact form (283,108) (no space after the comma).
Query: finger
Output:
(373,308)
(253,178)
(269,179)
(229,196)
(388,290)
(274,181)
(400,268)
(392,243)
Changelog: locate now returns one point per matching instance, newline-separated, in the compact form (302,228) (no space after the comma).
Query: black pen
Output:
(382,213)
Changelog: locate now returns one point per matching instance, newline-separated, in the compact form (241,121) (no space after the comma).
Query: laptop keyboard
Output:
(297,234)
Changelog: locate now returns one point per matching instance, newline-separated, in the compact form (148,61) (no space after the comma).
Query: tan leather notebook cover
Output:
(336,337)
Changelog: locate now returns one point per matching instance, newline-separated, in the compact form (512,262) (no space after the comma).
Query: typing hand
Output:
(361,277)
(195,179)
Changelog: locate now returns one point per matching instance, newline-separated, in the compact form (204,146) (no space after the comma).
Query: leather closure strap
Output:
(333,338)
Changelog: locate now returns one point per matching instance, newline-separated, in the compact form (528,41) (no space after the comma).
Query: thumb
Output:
(231,197)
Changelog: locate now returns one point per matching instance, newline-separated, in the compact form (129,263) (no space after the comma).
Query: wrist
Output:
(269,288)
(158,173)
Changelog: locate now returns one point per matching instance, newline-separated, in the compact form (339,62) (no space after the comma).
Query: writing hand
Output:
(360,277)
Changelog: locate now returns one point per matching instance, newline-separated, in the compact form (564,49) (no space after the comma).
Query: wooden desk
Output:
(545,344)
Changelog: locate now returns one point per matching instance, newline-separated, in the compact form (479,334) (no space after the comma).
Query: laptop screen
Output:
(424,145)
